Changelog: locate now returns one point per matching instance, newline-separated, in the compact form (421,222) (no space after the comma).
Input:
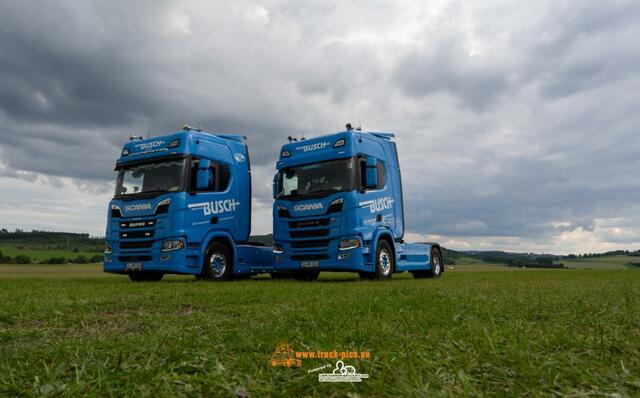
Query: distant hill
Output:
(45,240)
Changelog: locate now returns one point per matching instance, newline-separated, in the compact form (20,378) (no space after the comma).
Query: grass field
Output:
(71,330)
(607,262)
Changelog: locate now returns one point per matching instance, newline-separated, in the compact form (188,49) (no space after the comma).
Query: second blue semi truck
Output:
(183,206)
(339,207)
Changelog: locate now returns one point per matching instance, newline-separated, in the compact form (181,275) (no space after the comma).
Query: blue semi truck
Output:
(339,207)
(182,205)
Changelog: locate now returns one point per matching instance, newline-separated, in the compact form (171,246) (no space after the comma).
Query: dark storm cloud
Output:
(514,120)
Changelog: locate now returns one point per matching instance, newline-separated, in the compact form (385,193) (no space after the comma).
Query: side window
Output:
(219,177)
(382,174)
(223,178)
(362,163)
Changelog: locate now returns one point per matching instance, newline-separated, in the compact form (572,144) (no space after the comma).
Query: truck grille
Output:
(309,257)
(309,244)
(321,222)
(136,234)
(136,245)
(137,224)
(310,233)
(133,259)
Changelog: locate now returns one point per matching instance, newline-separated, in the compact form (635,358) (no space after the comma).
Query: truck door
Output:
(213,198)
(376,196)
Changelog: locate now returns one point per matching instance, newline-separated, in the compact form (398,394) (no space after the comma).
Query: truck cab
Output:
(339,207)
(182,205)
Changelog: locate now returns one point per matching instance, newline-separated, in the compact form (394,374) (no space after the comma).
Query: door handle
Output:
(214,220)
(379,218)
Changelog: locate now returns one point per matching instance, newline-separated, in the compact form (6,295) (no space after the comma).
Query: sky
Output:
(517,123)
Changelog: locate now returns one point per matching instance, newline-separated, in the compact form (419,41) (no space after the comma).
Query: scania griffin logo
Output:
(313,147)
(139,206)
(308,206)
(216,207)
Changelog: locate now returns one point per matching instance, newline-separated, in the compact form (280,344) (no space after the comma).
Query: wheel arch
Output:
(218,236)
(383,234)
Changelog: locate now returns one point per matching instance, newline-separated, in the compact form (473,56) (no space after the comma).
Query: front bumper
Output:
(181,261)
(330,259)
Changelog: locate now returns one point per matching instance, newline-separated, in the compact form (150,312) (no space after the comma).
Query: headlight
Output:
(336,206)
(162,207)
(173,244)
(278,249)
(115,211)
(283,211)
(347,244)
(108,249)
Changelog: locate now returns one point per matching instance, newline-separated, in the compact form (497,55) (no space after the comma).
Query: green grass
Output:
(606,262)
(75,331)
(43,254)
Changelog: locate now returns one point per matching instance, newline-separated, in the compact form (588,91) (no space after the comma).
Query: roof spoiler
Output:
(382,135)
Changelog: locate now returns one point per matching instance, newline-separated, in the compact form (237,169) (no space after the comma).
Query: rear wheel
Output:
(145,276)
(436,266)
(218,264)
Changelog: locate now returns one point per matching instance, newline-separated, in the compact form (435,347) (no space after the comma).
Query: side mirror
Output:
(371,174)
(274,186)
(202,178)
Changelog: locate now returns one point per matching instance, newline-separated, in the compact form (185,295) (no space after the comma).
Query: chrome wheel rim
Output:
(436,264)
(218,264)
(384,259)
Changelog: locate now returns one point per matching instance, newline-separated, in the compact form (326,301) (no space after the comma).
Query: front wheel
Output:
(218,265)
(385,261)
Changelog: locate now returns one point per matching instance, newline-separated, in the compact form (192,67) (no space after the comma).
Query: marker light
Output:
(125,152)
(339,143)
(278,249)
(108,249)
(174,143)
(286,154)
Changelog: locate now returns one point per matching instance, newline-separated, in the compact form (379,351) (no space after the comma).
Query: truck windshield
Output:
(150,178)
(318,179)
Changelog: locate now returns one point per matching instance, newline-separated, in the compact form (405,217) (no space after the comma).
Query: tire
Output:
(145,276)
(306,276)
(385,262)
(436,266)
(218,264)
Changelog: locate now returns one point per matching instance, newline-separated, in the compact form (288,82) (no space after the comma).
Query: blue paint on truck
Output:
(183,206)
(339,207)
